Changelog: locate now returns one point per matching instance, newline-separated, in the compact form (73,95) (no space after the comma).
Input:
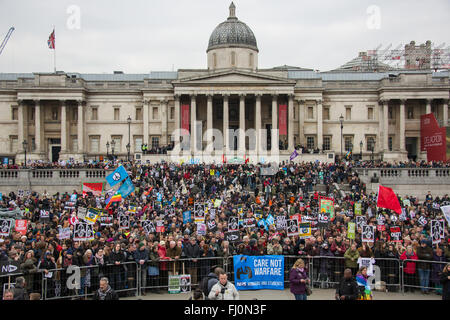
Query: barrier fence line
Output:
(132,278)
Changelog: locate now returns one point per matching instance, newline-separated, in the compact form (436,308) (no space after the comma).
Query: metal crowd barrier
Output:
(131,278)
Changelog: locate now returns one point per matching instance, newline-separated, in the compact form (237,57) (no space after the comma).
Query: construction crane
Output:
(2,46)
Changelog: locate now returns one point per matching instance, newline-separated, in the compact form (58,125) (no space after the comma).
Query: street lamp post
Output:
(373,147)
(25,145)
(107,149)
(341,120)
(360,150)
(128,145)
(113,143)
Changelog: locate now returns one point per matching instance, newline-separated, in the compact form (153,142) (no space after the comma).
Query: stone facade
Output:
(71,115)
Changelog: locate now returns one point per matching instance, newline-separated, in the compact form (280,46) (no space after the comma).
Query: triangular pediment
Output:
(235,77)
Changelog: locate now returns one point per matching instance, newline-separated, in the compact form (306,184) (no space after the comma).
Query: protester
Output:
(298,280)
(445,280)
(223,290)
(365,292)
(347,289)
(20,292)
(105,292)
(8,294)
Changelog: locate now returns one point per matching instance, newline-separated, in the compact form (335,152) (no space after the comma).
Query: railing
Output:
(131,278)
(405,175)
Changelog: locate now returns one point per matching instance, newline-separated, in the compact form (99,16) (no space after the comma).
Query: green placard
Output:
(174,284)
(358,210)
(351,230)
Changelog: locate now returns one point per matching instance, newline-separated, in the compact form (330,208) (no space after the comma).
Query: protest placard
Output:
(83,232)
(5,227)
(292,227)
(368,233)
(305,230)
(233,224)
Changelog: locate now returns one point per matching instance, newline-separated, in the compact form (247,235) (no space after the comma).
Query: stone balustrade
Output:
(413,176)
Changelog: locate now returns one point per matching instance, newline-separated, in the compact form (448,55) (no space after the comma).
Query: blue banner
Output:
(187,217)
(117,176)
(126,188)
(258,272)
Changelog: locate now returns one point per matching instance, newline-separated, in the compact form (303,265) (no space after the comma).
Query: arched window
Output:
(233,58)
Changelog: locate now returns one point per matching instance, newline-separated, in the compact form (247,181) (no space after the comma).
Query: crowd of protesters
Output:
(114,253)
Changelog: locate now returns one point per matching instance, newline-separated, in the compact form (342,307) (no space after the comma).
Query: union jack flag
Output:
(51,40)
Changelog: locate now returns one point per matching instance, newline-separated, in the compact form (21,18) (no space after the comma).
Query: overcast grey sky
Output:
(138,36)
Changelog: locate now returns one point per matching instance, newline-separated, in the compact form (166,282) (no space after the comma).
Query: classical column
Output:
(402,125)
(63,127)
(258,141)
(193,124)
(319,125)
(209,122)
(428,107)
(445,113)
(225,131)
(379,142)
(291,123)
(145,121)
(80,127)
(385,125)
(163,107)
(301,121)
(37,125)
(242,124)
(274,137)
(21,124)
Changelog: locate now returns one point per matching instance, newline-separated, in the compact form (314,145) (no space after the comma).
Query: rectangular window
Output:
(410,114)
(116,114)
(155,113)
(74,142)
(55,113)
(15,113)
(348,143)
(137,144)
(172,113)
(326,113)
(138,113)
(33,110)
(94,142)
(310,142)
(390,113)
(370,113)
(310,113)
(74,114)
(155,142)
(390,143)
(370,143)
(326,143)
(118,143)
(14,143)
(94,113)
(348,113)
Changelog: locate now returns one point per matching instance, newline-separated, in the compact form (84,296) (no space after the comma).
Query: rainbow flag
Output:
(115,198)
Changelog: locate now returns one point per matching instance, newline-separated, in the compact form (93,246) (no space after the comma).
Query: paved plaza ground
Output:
(318,294)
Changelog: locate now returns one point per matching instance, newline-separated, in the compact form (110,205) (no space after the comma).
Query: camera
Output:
(222,291)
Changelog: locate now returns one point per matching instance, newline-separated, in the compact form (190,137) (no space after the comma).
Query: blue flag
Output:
(126,188)
(187,217)
(270,220)
(117,176)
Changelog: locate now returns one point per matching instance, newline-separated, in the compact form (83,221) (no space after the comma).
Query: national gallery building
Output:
(61,116)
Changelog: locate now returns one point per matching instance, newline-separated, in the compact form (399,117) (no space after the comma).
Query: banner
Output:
(126,188)
(437,231)
(292,227)
(358,208)
(185,117)
(396,234)
(232,236)
(282,119)
(148,226)
(233,224)
(21,226)
(432,138)
(83,232)
(124,222)
(327,204)
(185,283)
(95,187)
(117,176)
(187,217)
(9,267)
(351,230)
(305,230)
(5,227)
(199,212)
(249,222)
(281,223)
(368,233)
(160,226)
(258,272)
(92,215)
(44,214)
(64,233)
(106,220)
(174,284)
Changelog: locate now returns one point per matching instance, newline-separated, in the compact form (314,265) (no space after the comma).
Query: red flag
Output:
(95,187)
(387,199)
(185,117)
(282,119)
(51,40)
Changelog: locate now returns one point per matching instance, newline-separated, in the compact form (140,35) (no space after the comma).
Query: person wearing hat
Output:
(424,252)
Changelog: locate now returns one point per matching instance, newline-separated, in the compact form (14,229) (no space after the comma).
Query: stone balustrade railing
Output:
(405,175)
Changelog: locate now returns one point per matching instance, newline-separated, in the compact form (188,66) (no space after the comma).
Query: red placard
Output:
(185,117)
(21,226)
(95,187)
(282,119)
(432,138)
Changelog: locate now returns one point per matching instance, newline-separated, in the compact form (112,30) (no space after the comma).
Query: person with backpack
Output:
(210,280)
